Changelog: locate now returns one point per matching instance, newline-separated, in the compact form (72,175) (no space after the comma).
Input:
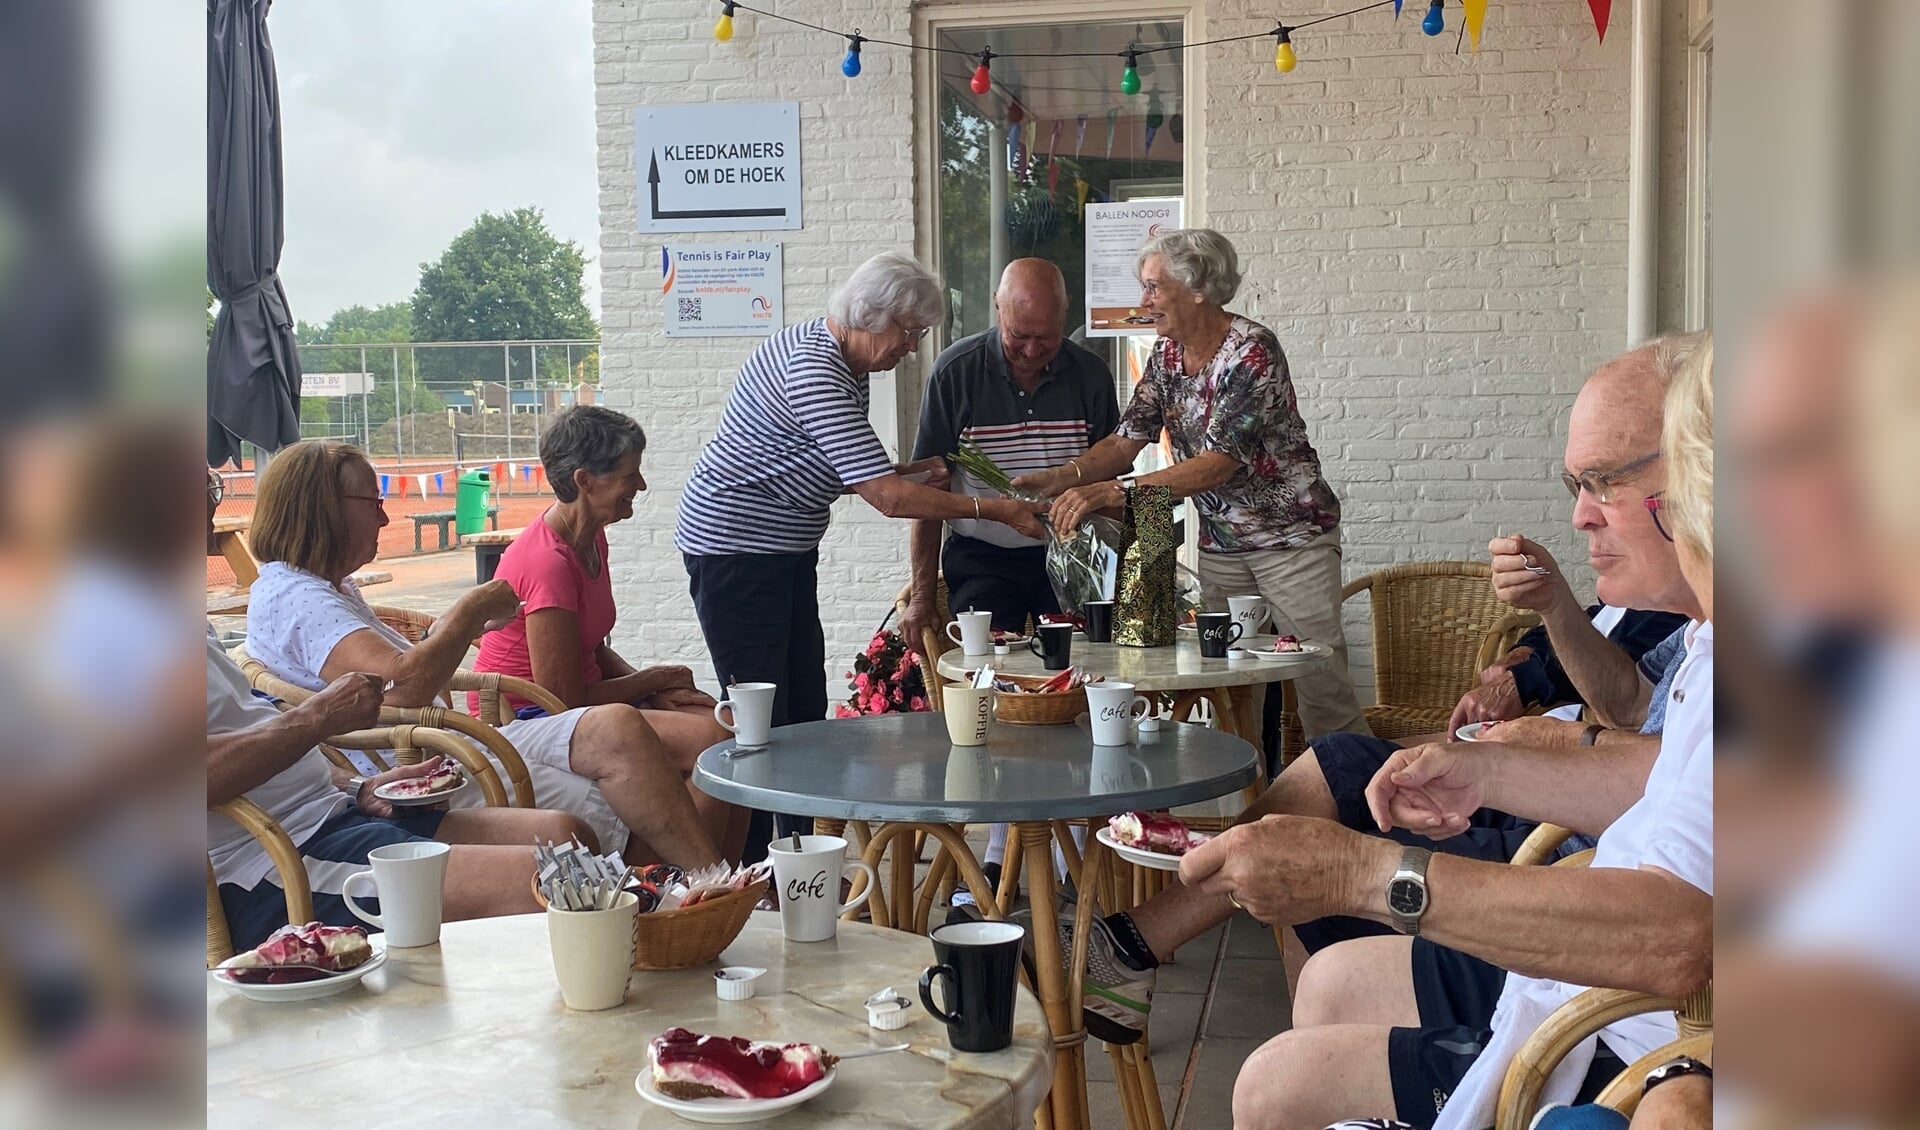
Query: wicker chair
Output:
(286,860)
(1430,625)
(933,638)
(431,718)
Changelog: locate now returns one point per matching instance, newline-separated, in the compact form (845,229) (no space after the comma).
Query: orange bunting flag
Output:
(500,473)
(1476,16)
(1602,12)
(399,487)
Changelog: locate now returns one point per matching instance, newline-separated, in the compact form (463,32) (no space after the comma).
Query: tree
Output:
(387,327)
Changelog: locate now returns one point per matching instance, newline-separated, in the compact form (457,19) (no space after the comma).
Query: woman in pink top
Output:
(558,566)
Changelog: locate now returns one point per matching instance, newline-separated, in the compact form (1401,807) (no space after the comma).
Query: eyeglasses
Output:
(216,487)
(379,501)
(1600,484)
(913,337)
(1654,507)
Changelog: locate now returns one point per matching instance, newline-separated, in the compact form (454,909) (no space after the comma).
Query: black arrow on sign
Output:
(653,180)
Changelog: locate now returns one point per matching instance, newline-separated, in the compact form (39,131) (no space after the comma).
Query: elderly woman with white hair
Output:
(1269,524)
(794,438)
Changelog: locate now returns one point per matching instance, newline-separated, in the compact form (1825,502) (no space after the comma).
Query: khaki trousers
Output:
(1302,590)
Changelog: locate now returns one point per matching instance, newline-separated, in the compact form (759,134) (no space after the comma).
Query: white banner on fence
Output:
(335,384)
(721,289)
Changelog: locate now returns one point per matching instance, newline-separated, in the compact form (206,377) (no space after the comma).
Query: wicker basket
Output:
(682,939)
(1038,709)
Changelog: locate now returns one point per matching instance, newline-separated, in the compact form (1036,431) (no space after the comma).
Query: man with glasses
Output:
(1031,400)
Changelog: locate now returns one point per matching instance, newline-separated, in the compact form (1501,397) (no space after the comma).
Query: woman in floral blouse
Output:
(1269,524)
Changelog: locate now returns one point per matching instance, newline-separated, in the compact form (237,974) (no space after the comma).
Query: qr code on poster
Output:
(689,309)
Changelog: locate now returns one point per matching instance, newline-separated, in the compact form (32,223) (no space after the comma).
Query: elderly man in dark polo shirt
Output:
(1031,400)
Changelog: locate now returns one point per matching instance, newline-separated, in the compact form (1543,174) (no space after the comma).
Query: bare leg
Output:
(1179,914)
(488,880)
(1359,981)
(518,826)
(685,734)
(1313,1077)
(615,748)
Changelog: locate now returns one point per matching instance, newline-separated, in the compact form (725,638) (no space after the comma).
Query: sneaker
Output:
(964,897)
(1115,996)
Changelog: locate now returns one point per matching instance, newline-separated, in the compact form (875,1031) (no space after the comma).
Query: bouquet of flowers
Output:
(886,679)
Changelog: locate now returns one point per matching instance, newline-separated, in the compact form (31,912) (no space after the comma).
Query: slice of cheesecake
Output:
(439,781)
(330,949)
(1154,831)
(688,1065)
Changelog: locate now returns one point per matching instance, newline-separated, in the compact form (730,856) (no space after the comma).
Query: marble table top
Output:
(472,1033)
(903,767)
(1176,667)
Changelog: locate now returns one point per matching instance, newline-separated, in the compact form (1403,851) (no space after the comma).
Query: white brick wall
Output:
(1439,241)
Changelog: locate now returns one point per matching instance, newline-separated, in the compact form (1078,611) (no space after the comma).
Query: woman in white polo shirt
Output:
(794,438)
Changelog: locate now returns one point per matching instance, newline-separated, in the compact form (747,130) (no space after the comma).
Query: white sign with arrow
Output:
(718,166)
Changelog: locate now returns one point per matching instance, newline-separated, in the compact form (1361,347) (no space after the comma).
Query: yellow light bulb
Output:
(723,28)
(1284,60)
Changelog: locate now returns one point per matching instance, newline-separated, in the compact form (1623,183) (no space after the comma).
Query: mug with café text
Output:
(1113,708)
(809,884)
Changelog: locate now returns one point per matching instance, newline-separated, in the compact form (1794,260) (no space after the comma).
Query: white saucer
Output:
(1471,731)
(404,801)
(1307,651)
(729,1112)
(1158,861)
(304,990)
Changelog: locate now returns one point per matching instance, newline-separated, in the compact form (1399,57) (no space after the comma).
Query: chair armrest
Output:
(490,684)
(1623,1094)
(1569,1025)
(286,860)
(1503,637)
(409,739)
(1540,844)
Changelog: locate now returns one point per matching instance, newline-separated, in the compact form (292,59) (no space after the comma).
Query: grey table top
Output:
(1178,666)
(902,767)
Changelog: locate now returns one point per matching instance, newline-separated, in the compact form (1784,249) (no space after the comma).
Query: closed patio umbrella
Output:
(253,369)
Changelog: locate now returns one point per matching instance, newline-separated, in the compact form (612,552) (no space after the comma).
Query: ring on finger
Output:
(1237,904)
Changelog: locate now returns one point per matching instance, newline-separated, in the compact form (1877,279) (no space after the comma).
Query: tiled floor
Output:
(1224,996)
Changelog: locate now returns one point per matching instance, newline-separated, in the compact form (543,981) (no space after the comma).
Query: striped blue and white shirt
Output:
(794,436)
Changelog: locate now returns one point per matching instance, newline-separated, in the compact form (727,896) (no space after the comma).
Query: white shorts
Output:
(546,745)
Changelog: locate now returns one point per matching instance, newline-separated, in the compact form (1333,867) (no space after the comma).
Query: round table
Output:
(472,1033)
(902,770)
(1178,668)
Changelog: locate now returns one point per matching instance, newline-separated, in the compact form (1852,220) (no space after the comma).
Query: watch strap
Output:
(1674,1069)
(1591,734)
(1413,867)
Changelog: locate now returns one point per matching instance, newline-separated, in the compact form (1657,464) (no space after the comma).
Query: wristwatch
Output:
(354,785)
(1674,1069)
(1407,890)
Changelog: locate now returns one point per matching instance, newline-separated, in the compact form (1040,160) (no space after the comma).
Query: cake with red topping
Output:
(688,1065)
(447,776)
(326,949)
(1154,831)
(1288,644)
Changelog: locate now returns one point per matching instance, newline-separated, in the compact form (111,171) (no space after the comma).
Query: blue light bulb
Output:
(850,66)
(1434,24)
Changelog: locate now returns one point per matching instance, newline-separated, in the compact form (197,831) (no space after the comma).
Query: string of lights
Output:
(1285,59)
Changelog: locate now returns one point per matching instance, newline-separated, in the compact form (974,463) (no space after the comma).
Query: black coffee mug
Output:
(981,964)
(1218,631)
(1053,643)
(1099,620)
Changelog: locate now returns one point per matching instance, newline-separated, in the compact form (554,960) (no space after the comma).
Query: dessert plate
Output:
(1471,731)
(304,990)
(1307,651)
(1158,861)
(403,800)
(730,1112)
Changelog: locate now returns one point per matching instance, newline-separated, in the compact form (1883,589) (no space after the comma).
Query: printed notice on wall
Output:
(718,166)
(721,289)
(1115,234)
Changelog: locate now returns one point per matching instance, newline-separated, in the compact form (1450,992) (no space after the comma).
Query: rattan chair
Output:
(1430,625)
(934,640)
(286,861)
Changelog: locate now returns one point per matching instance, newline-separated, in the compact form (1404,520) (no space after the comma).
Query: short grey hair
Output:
(891,285)
(590,438)
(1200,259)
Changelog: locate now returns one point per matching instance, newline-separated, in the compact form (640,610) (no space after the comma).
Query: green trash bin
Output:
(470,500)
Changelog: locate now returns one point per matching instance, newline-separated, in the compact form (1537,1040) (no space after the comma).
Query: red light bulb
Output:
(982,79)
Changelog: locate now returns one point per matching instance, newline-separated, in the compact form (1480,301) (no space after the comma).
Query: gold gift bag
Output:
(1144,603)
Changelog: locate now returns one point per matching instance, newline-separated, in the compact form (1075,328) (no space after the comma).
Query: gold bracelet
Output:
(976,509)
(1079,476)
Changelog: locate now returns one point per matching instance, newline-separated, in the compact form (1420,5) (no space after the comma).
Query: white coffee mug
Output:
(976,632)
(969,713)
(1113,708)
(751,705)
(408,879)
(593,952)
(1249,611)
(809,884)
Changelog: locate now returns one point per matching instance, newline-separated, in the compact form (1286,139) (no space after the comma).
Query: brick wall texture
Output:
(1439,241)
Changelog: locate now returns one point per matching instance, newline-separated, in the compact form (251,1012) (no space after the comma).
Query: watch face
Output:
(1406,896)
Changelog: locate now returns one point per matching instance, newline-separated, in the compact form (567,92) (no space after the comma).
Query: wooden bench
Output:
(488,546)
(230,536)
(442,520)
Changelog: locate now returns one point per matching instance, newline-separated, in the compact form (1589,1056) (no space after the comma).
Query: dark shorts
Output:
(1010,583)
(1349,762)
(347,838)
(1456,995)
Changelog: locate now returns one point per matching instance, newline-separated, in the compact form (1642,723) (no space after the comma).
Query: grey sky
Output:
(405,119)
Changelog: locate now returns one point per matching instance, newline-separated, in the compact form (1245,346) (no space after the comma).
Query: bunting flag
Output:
(1476,16)
(399,486)
(539,474)
(1151,130)
(1177,126)
(1080,187)
(383,486)
(1053,166)
(1113,115)
(500,472)
(1079,135)
(1396,9)
(1602,12)
(423,486)
(439,483)
(1031,135)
